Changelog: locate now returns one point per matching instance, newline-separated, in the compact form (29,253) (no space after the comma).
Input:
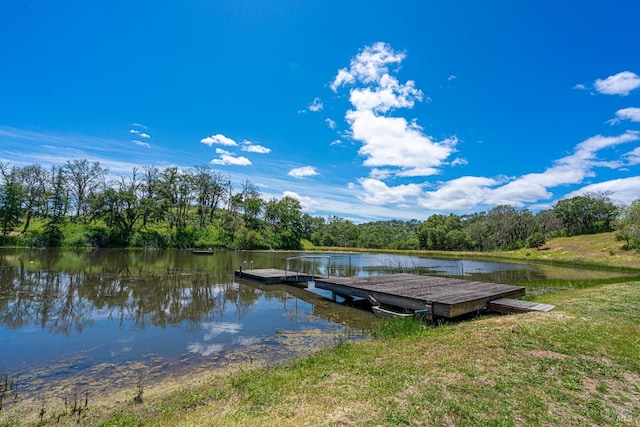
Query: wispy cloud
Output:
(469,192)
(618,84)
(331,123)
(250,147)
(307,203)
(631,113)
(303,171)
(139,133)
(316,105)
(141,143)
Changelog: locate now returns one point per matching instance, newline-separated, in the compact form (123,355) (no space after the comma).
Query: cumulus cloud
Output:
(389,142)
(458,194)
(303,171)
(631,113)
(377,192)
(330,123)
(618,84)
(335,142)
(623,190)
(228,158)
(219,139)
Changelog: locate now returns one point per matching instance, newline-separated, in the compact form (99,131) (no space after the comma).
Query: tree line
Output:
(76,205)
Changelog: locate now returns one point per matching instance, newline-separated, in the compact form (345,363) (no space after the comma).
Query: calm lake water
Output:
(75,313)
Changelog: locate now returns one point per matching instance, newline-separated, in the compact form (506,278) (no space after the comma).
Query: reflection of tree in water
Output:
(130,291)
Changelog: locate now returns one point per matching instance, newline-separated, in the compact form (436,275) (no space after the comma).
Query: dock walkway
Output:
(443,297)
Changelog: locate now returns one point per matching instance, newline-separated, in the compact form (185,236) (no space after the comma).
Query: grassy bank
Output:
(576,365)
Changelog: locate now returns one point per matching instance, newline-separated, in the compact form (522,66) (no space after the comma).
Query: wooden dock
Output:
(442,297)
(270,276)
(508,305)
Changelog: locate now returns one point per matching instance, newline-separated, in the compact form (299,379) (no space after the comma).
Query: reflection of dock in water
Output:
(273,276)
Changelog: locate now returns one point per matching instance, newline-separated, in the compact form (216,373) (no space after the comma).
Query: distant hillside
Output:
(601,249)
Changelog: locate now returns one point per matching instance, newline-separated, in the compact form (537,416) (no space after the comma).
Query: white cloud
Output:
(141,143)
(228,158)
(139,125)
(451,77)
(459,161)
(391,141)
(139,133)
(458,194)
(330,123)
(250,147)
(469,192)
(623,190)
(377,192)
(204,349)
(335,142)
(618,84)
(633,157)
(388,141)
(580,86)
(369,66)
(307,203)
(303,171)
(218,139)
(316,105)
(631,113)
(213,329)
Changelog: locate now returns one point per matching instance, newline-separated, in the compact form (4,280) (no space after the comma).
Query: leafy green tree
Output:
(285,220)
(11,199)
(588,214)
(83,180)
(33,179)
(57,208)
(433,232)
(628,225)
(536,240)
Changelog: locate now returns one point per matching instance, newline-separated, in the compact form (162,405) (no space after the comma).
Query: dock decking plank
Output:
(448,297)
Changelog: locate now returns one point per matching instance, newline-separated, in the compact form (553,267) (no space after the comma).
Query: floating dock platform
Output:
(271,276)
(439,296)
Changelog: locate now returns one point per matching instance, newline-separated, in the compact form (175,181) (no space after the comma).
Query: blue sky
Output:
(365,110)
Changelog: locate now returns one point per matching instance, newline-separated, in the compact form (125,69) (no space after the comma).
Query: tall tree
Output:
(285,219)
(83,179)
(57,207)
(10,198)
(33,180)
(628,225)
